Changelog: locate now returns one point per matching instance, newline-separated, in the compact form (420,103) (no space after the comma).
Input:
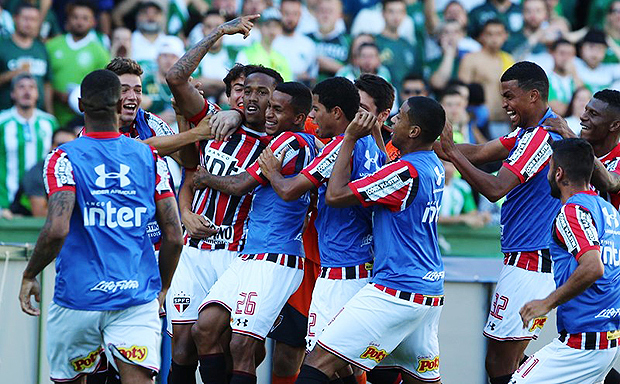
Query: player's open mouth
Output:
(270,124)
(584,127)
(512,115)
(252,108)
(130,106)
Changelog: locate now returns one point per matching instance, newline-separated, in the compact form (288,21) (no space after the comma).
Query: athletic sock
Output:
(275,379)
(501,379)
(349,379)
(213,368)
(613,377)
(239,377)
(384,376)
(311,375)
(182,374)
(361,379)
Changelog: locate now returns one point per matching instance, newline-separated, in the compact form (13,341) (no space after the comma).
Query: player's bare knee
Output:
(243,348)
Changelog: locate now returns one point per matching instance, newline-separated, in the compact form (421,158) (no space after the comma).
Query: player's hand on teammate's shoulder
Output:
(242,25)
(534,309)
(30,287)
(224,123)
(362,125)
(198,226)
(203,129)
(269,163)
(560,126)
(200,178)
(447,140)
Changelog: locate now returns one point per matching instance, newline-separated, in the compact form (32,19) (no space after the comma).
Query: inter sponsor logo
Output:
(434,276)
(425,365)
(81,363)
(105,215)
(608,313)
(373,353)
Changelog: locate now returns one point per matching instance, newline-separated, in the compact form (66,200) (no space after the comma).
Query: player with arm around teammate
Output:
(402,304)
(108,285)
(584,244)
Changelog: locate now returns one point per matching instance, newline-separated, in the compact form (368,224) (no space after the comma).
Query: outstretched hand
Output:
(243,24)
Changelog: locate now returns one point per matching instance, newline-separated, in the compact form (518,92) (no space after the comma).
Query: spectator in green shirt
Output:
(74,55)
(504,10)
(396,53)
(22,52)
(332,41)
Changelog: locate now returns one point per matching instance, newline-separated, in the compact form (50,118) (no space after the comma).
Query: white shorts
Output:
(378,329)
(558,363)
(515,288)
(255,291)
(196,273)
(75,339)
(328,298)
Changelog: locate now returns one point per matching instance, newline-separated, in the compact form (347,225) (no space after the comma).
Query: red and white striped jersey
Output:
(228,212)
(610,161)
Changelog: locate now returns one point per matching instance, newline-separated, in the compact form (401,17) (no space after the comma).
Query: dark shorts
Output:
(290,327)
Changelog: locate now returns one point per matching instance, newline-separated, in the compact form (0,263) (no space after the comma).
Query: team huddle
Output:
(298,226)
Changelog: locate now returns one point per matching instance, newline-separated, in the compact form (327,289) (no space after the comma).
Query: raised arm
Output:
(289,188)
(171,241)
(492,187)
(188,98)
(236,185)
(49,243)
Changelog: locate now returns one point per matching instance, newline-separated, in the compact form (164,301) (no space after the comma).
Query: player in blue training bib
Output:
(108,287)
(402,304)
(584,244)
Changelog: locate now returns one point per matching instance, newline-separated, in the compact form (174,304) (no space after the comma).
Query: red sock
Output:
(283,379)
(361,379)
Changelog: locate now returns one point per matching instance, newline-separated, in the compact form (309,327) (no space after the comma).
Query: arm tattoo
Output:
(52,235)
(187,64)
(235,185)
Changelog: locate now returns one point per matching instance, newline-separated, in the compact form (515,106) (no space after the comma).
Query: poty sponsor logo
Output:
(608,313)
(373,353)
(113,286)
(425,365)
(112,217)
(538,322)
(101,181)
(134,353)
(434,276)
(82,363)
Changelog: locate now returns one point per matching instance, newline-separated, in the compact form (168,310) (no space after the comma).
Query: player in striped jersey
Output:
(526,213)
(214,221)
(25,136)
(584,244)
(600,126)
(274,227)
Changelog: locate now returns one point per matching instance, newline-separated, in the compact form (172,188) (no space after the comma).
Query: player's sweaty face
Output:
(131,97)
(257,90)
(280,115)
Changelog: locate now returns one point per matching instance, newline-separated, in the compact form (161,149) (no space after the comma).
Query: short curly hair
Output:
(123,65)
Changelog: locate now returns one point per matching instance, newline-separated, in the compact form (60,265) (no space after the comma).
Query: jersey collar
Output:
(102,135)
(614,153)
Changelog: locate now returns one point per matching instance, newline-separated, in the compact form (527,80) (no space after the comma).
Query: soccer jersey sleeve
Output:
(321,167)
(574,230)
(394,185)
(208,109)
(158,126)
(163,181)
(531,154)
(510,139)
(58,173)
(298,155)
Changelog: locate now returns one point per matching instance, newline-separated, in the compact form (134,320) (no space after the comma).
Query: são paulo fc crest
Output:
(181,302)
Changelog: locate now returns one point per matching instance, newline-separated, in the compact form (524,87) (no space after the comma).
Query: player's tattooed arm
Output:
(167,213)
(338,192)
(49,243)
(235,185)
(188,98)
(289,188)
(589,270)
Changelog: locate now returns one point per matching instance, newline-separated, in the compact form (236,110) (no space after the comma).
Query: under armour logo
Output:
(371,160)
(103,176)
(492,326)
(440,175)
(611,218)
(244,322)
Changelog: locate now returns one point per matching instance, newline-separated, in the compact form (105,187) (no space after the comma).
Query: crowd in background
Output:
(453,50)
